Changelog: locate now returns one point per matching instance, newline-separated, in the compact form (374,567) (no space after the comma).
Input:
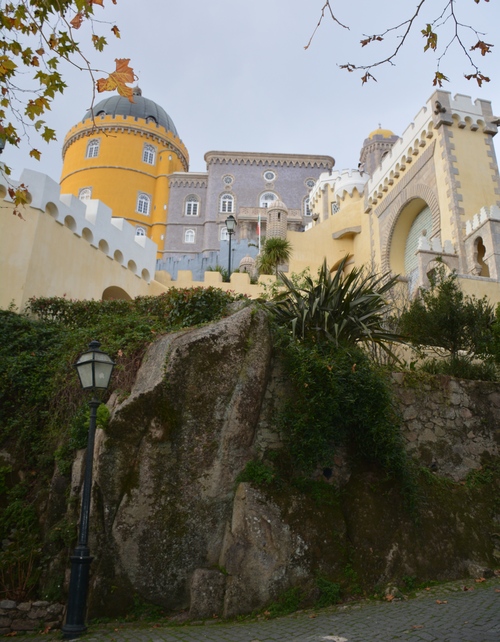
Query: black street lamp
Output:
(230,225)
(94,369)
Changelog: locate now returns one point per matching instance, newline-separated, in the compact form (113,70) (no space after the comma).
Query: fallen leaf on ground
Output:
(417,626)
(441,601)
(389,598)
(467,588)
(480,579)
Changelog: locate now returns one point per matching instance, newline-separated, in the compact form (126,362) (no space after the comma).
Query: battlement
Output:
(93,222)
(485,213)
(440,109)
(239,282)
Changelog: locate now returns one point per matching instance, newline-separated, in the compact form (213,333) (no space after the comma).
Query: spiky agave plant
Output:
(345,309)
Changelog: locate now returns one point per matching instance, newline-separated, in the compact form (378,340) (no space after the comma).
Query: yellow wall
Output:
(310,248)
(474,172)
(41,257)
(118,174)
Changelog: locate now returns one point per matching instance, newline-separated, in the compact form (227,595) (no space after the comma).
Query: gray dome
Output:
(140,108)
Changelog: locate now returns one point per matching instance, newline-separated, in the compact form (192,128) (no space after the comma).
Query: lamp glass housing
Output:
(94,368)
(230,223)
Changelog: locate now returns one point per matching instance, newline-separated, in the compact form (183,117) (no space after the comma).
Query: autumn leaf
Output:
(369,39)
(34,153)
(478,77)
(483,47)
(431,37)
(19,196)
(367,77)
(439,78)
(441,601)
(116,31)
(76,23)
(99,2)
(99,42)
(118,79)
(480,579)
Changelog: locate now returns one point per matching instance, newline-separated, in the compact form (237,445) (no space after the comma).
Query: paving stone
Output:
(468,616)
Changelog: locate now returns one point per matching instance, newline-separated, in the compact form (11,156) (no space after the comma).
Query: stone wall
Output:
(173,524)
(29,616)
(449,425)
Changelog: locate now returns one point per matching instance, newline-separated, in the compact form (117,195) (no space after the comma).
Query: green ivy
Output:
(340,398)
(43,413)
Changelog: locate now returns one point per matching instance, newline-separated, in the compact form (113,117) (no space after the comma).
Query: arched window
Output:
(143,204)
(307,209)
(140,231)
(189,236)
(227,204)
(192,204)
(266,198)
(85,194)
(93,148)
(224,234)
(149,154)
(423,221)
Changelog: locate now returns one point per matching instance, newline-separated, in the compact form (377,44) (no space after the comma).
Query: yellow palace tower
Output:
(122,154)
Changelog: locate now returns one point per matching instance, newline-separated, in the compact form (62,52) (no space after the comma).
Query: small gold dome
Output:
(386,133)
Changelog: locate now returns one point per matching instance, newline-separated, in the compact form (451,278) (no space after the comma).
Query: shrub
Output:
(342,309)
(458,328)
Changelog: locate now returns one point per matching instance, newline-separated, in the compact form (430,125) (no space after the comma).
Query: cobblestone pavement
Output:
(441,614)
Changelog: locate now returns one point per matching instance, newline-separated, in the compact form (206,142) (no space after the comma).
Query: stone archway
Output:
(114,293)
(410,202)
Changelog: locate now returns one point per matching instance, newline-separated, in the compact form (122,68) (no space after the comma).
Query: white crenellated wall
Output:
(93,222)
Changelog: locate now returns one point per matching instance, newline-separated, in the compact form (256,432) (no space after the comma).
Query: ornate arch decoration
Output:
(411,192)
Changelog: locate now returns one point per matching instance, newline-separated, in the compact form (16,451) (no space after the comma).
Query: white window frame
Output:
(140,231)
(85,194)
(149,154)
(264,202)
(189,236)
(143,204)
(224,234)
(226,205)
(192,205)
(93,147)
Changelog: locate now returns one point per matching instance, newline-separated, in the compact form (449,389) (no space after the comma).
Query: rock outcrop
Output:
(172,525)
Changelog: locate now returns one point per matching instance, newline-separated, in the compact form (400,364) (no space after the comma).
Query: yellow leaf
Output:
(34,153)
(116,31)
(118,79)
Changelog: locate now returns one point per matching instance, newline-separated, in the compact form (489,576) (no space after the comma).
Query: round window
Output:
(310,183)
(228,180)
(269,176)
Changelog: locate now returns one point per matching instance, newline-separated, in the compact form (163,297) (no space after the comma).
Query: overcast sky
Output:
(234,75)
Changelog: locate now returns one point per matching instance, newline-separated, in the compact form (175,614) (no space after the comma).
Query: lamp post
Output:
(94,368)
(230,225)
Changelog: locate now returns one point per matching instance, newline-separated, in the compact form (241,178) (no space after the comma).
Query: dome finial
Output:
(137,91)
